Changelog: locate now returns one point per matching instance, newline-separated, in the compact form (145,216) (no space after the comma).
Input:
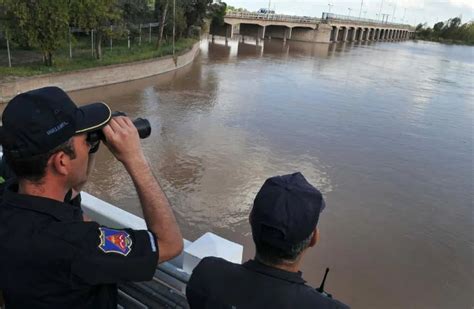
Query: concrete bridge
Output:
(329,28)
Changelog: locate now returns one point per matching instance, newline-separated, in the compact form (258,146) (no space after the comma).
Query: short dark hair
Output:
(268,254)
(34,168)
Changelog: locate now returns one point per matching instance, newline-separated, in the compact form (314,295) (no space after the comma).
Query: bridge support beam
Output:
(288,33)
(352,34)
(358,34)
(345,34)
(229,32)
(334,34)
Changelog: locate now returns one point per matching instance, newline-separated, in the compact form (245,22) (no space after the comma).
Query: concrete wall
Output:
(100,76)
(321,35)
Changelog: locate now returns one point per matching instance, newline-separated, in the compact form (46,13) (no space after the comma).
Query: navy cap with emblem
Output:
(285,211)
(39,120)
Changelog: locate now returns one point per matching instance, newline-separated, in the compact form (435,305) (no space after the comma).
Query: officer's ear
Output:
(314,238)
(59,162)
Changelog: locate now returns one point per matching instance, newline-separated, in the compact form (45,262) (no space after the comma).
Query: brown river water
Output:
(384,129)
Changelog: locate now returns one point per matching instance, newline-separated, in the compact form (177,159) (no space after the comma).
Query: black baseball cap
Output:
(285,211)
(39,120)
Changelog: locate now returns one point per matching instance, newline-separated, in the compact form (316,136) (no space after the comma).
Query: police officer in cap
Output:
(283,220)
(50,257)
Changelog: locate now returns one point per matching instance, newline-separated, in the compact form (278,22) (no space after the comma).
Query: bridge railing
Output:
(274,17)
(328,17)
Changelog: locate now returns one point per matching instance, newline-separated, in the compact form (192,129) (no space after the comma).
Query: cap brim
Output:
(92,117)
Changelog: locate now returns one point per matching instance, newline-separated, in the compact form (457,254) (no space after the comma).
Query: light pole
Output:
(365,13)
(381,6)
(330,5)
(361,5)
(394,8)
(350,10)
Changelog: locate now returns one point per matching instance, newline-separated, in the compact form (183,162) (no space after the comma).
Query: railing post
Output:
(8,50)
(149,33)
(70,45)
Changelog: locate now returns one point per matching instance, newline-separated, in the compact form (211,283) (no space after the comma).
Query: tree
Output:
(195,11)
(135,11)
(97,16)
(217,13)
(161,11)
(41,24)
(438,26)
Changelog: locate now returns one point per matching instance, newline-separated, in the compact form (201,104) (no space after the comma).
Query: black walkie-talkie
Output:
(321,288)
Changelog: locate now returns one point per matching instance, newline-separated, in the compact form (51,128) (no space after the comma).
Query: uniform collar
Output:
(59,210)
(274,272)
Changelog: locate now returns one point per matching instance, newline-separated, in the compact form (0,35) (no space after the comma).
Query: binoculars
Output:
(142,125)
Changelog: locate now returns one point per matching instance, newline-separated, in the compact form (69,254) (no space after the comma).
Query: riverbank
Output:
(445,41)
(28,63)
(99,76)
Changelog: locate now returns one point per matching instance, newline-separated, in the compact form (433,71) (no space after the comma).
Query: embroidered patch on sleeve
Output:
(115,241)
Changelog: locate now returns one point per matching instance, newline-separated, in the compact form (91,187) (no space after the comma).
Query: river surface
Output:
(384,130)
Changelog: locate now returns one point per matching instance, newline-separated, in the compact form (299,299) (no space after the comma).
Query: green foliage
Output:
(234,9)
(120,54)
(94,14)
(195,11)
(39,24)
(135,11)
(217,12)
(43,25)
(451,31)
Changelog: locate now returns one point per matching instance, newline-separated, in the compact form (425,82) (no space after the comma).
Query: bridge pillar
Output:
(344,34)
(353,34)
(263,32)
(359,34)
(229,32)
(290,33)
(333,34)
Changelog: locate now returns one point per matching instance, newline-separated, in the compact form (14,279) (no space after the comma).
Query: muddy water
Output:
(384,130)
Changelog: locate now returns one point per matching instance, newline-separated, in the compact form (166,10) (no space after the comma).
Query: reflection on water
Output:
(383,129)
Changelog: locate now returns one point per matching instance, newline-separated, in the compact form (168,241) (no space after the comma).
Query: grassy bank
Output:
(446,41)
(83,59)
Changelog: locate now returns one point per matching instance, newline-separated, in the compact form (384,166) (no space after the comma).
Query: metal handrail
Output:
(330,17)
(273,17)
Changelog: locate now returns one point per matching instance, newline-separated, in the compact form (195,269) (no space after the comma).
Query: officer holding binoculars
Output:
(50,257)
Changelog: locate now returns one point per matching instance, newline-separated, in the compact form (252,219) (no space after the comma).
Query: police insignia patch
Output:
(115,241)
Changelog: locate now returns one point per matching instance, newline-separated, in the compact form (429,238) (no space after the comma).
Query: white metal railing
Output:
(330,17)
(273,17)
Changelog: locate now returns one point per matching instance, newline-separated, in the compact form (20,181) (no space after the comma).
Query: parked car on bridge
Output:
(266,11)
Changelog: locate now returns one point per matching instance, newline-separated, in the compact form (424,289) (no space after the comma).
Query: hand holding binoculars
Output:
(143,127)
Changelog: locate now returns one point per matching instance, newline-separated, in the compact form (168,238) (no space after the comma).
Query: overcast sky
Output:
(430,11)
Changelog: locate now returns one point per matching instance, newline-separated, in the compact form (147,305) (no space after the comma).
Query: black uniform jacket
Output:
(217,283)
(51,258)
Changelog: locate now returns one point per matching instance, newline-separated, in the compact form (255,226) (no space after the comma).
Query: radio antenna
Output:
(321,288)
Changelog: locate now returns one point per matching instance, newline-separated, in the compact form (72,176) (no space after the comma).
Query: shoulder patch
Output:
(115,241)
